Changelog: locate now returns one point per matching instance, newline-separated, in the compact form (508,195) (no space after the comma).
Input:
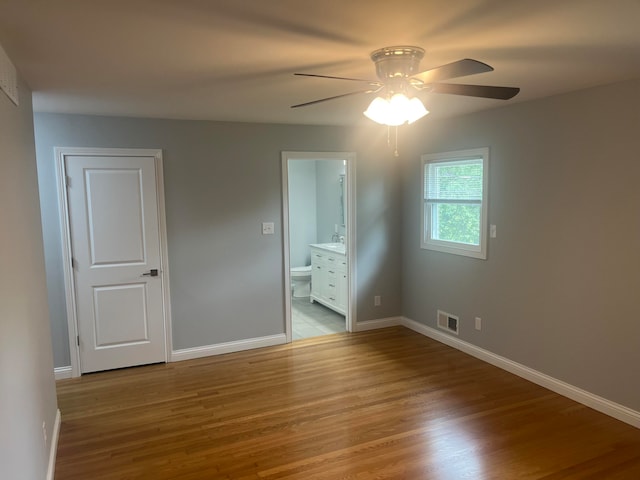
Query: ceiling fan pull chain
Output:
(395,149)
(395,152)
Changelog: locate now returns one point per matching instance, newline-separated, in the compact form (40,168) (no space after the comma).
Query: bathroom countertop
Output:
(331,247)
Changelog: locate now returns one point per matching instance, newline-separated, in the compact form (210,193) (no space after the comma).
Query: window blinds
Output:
(458,181)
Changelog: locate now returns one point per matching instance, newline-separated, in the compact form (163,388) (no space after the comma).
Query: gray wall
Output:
(221,181)
(303,224)
(27,388)
(559,290)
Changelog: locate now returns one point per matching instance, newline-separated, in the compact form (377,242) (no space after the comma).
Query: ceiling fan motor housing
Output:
(397,62)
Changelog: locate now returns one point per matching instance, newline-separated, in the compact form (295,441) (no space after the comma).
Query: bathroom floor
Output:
(313,320)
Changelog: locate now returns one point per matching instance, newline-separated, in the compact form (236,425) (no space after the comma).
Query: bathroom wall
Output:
(314,205)
(328,193)
(221,181)
(303,224)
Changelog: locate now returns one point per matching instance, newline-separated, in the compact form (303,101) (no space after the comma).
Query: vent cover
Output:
(447,322)
(8,77)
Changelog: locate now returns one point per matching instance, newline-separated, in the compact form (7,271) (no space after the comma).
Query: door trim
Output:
(61,153)
(350,230)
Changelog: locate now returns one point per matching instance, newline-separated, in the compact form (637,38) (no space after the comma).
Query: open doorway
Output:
(318,192)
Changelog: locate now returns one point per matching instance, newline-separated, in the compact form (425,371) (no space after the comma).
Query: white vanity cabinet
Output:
(329,277)
(342,286)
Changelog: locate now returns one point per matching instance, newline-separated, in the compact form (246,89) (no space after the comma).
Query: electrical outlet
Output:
(44,432)
(377,301)
(492,231)
(478,323)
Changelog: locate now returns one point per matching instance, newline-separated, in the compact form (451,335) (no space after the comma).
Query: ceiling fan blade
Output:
(332,98)
(484,91)
(461,68)
(371,82)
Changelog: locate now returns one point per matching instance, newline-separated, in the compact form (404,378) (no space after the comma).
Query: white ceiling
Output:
(234,59)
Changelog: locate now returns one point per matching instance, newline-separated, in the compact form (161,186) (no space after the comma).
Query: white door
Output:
(115,238)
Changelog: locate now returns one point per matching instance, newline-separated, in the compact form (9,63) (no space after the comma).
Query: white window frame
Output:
(457,248)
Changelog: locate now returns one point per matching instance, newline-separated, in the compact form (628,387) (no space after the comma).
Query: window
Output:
(454,208)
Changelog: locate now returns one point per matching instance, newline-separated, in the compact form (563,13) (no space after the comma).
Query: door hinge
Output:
(68,181)
(78,339)
(74,263)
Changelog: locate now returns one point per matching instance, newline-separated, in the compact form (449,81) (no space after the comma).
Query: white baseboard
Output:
(378,323)
(596,402)
(228,347)
(62,372)
(53,448)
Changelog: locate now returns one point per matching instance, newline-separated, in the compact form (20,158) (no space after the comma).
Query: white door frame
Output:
(350,231)
(69,282)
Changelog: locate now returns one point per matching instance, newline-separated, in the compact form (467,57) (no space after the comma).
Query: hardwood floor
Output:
(373,405)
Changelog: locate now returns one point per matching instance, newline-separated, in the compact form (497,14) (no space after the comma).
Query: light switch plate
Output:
(267,228)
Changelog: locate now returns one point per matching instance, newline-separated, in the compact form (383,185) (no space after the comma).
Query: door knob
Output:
(151,273)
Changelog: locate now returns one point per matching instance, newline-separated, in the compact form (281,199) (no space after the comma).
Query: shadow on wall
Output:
(376,233)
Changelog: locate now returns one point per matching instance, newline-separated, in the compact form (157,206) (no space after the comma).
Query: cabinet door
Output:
(342,285)
(317,273)
(331,285)
(341,290)
(318,280)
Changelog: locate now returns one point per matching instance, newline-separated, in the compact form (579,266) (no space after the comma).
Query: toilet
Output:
(301,281)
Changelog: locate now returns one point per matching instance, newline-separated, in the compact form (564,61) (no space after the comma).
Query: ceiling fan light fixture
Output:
(395,111)
(415,110)
(377,110)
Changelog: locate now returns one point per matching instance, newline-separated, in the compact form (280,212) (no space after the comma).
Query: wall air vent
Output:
(447,322)
(8,77)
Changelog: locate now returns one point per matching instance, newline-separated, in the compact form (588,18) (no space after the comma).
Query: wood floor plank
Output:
(384,404)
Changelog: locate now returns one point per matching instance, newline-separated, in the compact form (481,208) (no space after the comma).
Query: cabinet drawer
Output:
(341,266)
(331,292)
(317,257)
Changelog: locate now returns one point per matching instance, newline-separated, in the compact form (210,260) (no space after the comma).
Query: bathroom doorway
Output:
(319,243)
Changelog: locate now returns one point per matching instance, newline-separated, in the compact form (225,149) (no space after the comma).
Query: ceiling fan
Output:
(399,77)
